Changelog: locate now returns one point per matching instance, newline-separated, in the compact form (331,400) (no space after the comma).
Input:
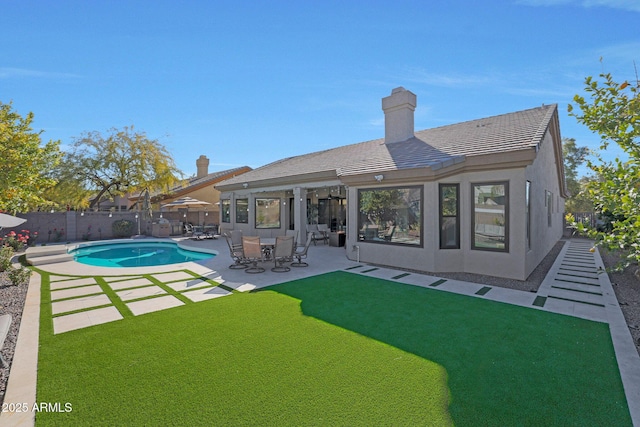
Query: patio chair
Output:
(301,253)
(294,234)
(237,254)
(323,230)
(236,237)
(252,253)
(319,232)
(283,253)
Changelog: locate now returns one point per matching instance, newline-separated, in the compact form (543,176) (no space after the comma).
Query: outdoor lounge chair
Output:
(301,253)
(237,254)
(252,253)
(282,253)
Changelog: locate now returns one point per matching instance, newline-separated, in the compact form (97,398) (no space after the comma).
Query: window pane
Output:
(490,216)
(449,233)
(242,211)
(391,215)
(449,198)
(449,225)
(226,210)
(267,213)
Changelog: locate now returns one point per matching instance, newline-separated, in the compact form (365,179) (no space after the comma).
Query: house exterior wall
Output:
(520,260)
(433,259)
(544,177)
(518,263)
(206,194)
(295,192)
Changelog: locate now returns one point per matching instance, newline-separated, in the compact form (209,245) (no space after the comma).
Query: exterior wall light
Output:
(379,177)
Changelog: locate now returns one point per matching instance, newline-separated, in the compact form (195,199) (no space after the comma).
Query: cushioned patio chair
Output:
(252,253)
(301,253)
(282,253)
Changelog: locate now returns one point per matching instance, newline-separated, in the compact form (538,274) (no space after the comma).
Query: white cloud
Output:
(632,5)
(9,73)
(448,80)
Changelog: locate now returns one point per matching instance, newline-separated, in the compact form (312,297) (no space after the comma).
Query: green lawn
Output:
(336,349)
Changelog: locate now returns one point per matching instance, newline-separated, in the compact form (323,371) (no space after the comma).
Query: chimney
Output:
(203,166)
(398,115)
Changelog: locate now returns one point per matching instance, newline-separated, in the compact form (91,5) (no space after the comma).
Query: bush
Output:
(19,240)
(6,253)
(123,228)
(19,276)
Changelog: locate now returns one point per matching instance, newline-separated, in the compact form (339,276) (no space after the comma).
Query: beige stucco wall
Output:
(298,193)
(206,194)
(518,263)
(543,176)
(433,259)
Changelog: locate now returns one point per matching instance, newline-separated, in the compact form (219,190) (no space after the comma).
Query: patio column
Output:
(300,213)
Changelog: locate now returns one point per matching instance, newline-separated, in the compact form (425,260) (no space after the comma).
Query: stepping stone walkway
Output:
(577,284)
(80,302)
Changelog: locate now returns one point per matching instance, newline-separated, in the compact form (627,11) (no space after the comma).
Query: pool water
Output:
(137,254)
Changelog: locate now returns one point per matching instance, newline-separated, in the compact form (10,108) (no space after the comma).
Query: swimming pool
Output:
(135,254)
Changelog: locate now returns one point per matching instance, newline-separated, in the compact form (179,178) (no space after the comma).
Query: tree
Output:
(25,164)
(575,156)
(122,162)
(613,112)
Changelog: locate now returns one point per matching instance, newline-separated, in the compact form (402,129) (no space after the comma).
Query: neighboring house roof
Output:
(196,183)
(430,150)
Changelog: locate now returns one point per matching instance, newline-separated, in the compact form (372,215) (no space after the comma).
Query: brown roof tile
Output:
(433,148)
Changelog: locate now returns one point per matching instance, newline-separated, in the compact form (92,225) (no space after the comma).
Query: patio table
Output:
(267,244)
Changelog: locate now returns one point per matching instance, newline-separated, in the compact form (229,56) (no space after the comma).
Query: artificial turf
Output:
(335,349)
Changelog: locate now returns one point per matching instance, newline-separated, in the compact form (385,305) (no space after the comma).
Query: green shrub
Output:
(123,228)
(6,253)
(19,276)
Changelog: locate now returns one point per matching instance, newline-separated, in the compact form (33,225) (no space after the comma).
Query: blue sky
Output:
(250,82)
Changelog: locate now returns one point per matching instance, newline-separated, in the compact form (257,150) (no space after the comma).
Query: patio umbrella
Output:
(186,202)
(8,221)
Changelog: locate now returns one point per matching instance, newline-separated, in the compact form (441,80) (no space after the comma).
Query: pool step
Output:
(41,255)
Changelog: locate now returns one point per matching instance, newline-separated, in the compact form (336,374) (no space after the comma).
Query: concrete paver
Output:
(155,304)
(189,284)
(85,319)
(72,282)
(75,292)
(203,294)
(79,303)
(130,283)
(137,293)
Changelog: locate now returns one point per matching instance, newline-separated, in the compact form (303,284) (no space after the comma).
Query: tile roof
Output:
(433,148)
(194,181)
